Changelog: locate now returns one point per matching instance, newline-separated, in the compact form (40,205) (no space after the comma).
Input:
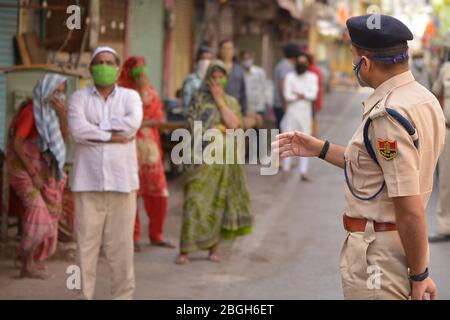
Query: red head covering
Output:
(125,78)
(152,102)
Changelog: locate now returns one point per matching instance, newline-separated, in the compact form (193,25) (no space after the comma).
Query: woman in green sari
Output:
(217,203)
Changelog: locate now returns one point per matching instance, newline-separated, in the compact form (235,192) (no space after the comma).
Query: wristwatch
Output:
(419,277)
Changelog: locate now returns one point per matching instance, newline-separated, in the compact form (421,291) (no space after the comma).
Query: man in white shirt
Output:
(103,121)
(255,83)
(256,86)
(285,66)
(300,90)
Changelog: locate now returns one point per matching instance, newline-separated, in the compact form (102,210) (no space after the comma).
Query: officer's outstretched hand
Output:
(423,290)
(297,144)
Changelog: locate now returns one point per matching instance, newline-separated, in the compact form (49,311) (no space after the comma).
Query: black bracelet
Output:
(419,277)
(325,149)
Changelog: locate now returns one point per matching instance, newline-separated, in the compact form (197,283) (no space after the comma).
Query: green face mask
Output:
(104,75)
(137,71)
(224,83)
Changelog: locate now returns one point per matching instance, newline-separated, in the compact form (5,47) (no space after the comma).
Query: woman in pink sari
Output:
(35,158)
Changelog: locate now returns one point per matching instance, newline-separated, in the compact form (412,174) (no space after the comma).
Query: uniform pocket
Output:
(353,263)
(354,171)
(354,266)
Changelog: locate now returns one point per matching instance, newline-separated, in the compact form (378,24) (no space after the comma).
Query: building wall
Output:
(112,18)
(8,30)
(250,42)
(147,36)
(184,42)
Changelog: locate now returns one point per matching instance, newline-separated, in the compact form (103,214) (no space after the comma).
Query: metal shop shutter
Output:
(8,30)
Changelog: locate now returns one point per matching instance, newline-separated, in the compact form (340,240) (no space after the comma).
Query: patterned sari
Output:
(217,203)
(42,208)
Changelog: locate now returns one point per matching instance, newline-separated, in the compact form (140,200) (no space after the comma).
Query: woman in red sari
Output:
(35,158)
(153,185)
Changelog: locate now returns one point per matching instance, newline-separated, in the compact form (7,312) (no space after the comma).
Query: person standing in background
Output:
(152,179)
(103,122)
(285,66)
(318,103)
(236,79)
(419,70)
(441,89)
(300,90)
(35,155)
(255,83)
(195,79)
(217,203)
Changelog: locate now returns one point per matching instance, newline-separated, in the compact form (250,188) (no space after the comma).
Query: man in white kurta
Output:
(103,122)
(300,90)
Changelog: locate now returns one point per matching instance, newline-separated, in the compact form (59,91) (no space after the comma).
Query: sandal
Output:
(137,247)
(41,266)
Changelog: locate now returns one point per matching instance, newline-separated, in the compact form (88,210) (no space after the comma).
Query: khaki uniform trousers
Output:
(106,219)
(374,266)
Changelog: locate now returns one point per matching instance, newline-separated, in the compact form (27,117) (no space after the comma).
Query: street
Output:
(293,252)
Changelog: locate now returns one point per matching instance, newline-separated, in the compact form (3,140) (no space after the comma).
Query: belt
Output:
(359,225)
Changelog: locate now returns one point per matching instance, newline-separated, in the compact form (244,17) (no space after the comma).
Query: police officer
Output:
(388,166)
(441,89)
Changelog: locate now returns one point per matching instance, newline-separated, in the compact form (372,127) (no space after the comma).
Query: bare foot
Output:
(182,259)
(41,266)
(214,256)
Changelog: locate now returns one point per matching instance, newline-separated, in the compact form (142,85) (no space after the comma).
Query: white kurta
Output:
(104,166)
(298,116)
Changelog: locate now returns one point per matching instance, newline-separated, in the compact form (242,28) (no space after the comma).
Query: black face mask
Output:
(301,68)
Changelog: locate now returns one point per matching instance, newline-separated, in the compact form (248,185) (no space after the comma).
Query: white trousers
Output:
(298,117)
(303,164)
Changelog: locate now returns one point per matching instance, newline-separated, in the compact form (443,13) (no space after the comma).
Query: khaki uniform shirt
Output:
(407,170)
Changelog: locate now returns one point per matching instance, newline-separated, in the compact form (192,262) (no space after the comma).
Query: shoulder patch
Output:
(387,149)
